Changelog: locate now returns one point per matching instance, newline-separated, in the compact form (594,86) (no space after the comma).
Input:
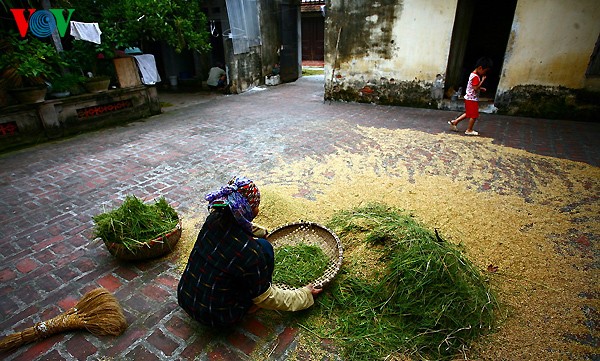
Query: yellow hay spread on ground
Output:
(520,228)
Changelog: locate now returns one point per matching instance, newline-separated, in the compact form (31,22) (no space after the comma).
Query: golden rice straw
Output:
(98,311)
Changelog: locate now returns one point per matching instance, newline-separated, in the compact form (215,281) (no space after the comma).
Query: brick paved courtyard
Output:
(49,193)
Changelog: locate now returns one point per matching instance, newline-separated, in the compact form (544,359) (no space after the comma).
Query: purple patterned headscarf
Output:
(241,196)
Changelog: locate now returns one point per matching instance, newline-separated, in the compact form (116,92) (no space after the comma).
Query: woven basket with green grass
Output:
(138,231)
(305,252)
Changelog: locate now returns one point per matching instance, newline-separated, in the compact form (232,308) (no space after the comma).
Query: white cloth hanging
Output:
(147,66)
(86,31)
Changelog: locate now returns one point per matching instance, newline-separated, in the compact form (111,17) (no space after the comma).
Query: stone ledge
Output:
(26,124)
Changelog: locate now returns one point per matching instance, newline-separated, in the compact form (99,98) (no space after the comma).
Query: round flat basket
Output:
(311,234)
(155,248)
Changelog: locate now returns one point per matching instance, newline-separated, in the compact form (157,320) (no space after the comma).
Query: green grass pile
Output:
(298,265)
(135,223)
(427,300)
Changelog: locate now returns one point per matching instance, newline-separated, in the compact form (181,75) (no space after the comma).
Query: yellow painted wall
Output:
(390,52)
(551,43)
(420,43)
(423,53)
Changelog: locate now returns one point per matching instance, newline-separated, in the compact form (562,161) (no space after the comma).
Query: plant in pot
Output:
(97,84)
(136,230)
(62,86)
(26,65)
(87,58)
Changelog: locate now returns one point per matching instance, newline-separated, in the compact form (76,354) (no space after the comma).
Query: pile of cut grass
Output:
(298,265)
(134,223)
(426,299)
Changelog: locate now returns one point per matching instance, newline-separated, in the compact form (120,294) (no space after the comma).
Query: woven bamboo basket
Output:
(312,234)
(152,249)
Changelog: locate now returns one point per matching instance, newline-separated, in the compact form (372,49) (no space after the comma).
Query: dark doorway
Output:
(313,37)
(217,49)
(481,28)
(214,26)
(289,57)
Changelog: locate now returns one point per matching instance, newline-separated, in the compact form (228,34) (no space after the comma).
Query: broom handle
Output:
(66,321)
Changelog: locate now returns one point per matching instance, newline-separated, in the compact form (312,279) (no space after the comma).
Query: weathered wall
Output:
(244,69)
(546,60)
(271,35)
(389,51)
(551,43)
(249,69)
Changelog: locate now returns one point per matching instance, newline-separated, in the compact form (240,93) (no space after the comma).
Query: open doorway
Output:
(313,37)
(214,11)
(481,28)
(289,56)
(217,48)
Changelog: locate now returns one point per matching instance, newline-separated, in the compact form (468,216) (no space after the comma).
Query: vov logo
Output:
(42,23)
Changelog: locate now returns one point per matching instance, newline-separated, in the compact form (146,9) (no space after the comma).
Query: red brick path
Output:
(313,63)
(49,193)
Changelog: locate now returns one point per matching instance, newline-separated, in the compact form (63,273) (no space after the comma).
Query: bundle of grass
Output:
(420,297)
(299,264)
(136,230)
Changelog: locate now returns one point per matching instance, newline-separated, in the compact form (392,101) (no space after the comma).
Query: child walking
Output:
(474,86)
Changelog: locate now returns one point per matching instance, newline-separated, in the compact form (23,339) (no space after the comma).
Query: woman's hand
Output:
(314,290)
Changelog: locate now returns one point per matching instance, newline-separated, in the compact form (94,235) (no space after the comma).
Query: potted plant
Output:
(87,58)
(62,86)
(97,84)
(26,65)
(136,230)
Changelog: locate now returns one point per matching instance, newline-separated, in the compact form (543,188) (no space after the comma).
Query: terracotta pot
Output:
(30,95)
(96,85)
(61,94)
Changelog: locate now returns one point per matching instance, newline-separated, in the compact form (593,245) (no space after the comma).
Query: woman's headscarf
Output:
(241,196)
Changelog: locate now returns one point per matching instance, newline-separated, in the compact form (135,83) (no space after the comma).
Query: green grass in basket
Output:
(428,302)
(298,265)
(134,223)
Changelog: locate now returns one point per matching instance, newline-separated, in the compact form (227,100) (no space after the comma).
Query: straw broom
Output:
(98,311)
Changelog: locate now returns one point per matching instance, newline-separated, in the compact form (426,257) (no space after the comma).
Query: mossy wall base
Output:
(384,92)
(524,100)
(550,102)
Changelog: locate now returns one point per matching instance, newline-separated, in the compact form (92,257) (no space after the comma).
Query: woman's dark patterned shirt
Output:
(226,270)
